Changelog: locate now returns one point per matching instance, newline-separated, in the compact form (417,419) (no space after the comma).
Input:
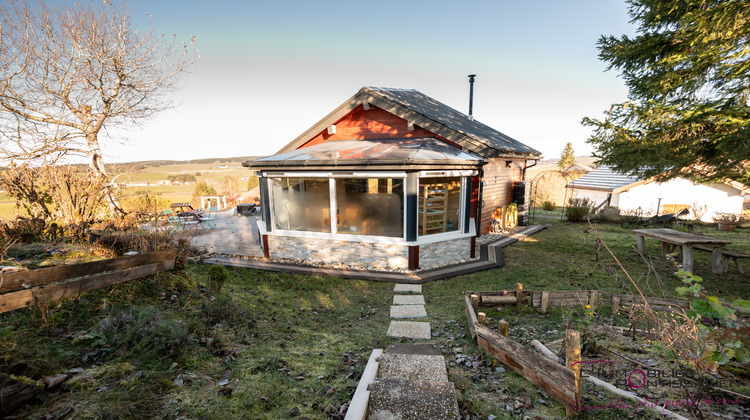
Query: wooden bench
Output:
(727,256)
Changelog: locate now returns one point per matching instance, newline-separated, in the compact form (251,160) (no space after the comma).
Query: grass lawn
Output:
(268,344)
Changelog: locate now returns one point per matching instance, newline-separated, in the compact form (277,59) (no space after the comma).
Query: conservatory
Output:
(384,204)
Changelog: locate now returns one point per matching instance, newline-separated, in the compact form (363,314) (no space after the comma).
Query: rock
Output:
(223,382)
(499,369)
(294,412)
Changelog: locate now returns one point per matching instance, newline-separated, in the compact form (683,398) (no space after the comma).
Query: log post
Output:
(482,318)
(594,296)
(519,296)
(545,302)
(615,304)
(475,302)
(572,356)
(502,328)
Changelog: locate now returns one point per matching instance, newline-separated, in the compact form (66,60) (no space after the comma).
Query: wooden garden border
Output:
(549,299)
(50,284)
(561,382)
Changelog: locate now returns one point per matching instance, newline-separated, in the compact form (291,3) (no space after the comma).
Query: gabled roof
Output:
(432,115)
(604,179)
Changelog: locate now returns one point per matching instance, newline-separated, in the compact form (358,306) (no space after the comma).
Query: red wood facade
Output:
(499,175)
(376,123)
(373,123)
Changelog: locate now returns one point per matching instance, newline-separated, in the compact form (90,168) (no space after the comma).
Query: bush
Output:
(252,182)
(202,189)
(143,242)
(576,214)
(549,206)
(217,275)
(27,230)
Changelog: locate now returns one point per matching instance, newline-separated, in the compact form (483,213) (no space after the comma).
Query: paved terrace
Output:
(234,235)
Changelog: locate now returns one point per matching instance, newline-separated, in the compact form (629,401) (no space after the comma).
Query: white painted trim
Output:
(333,205)
(429,239)
(438,173)
(353,174)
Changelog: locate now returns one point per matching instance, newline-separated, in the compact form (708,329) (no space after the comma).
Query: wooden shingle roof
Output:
(430,114)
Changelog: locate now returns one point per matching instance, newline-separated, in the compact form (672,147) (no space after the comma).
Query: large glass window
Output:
(439,205)
(370,206)
(301,204)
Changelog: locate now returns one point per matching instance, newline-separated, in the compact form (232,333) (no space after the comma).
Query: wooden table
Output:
(669,238)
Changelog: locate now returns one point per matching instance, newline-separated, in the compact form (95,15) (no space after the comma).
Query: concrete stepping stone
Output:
(425,349)
(407,288)
(409,329)
(414,367)
(408,311)
(408,300)
(394,398)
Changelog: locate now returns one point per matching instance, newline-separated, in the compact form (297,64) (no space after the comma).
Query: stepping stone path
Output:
(408,306)
(412,379)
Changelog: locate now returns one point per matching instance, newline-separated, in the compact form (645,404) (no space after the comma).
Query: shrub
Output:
(252,182)
(202,189)
(121,242)
(217,275)
(576,214)
(26,230)
(548,205)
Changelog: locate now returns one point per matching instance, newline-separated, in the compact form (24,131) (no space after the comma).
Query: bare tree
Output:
(67,74)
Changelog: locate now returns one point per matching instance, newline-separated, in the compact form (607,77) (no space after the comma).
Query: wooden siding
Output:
(499,189)
(374,123)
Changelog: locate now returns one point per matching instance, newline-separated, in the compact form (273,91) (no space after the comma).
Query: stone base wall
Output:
(377,256)
(354,254)
(442,253)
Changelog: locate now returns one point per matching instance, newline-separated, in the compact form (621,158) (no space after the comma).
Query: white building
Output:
(655,198)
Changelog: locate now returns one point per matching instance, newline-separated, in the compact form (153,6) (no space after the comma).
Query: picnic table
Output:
(670,238)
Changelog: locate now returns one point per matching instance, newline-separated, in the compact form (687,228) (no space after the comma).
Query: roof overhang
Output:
(385,154)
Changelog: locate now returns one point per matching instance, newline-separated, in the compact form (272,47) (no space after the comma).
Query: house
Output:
(391,179)
(629,193)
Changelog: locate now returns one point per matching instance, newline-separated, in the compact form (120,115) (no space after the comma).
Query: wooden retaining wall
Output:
(561,382)
(21,289)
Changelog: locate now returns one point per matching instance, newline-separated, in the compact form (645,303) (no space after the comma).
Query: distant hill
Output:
(586,160)
(123,166)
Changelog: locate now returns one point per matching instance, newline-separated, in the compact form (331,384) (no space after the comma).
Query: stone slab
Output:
(392,399)
(408,300)
(407,288)
(413,348)
(408,311)
(413,367)
(408,329)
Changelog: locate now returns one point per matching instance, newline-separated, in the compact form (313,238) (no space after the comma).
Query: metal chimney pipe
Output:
(471,95)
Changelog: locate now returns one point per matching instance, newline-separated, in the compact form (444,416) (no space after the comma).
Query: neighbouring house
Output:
(652,198)
(391,179)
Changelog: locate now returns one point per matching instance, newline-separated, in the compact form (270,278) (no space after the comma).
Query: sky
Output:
(269,70)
